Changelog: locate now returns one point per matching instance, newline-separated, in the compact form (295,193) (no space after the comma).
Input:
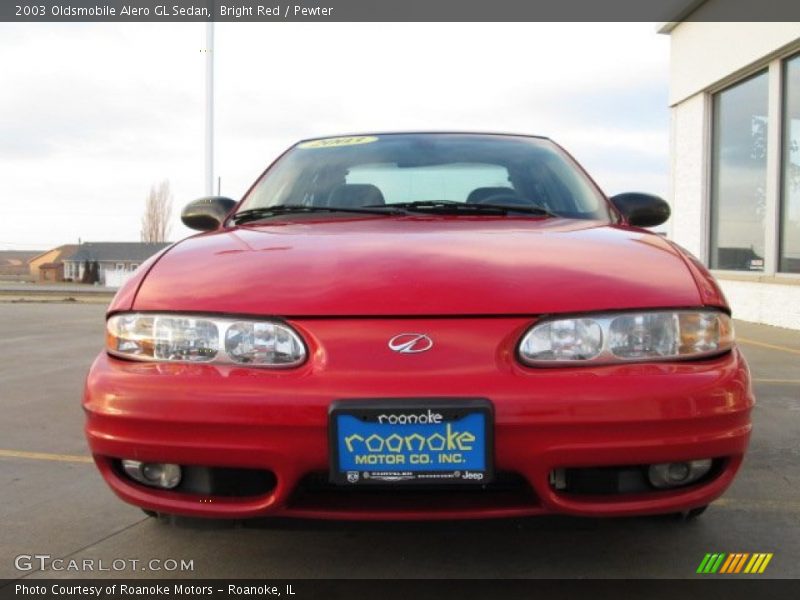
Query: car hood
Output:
(370,266)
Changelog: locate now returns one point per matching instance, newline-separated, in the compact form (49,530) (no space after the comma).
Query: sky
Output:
(93,115)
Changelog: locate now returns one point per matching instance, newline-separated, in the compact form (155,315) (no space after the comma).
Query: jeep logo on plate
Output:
(410,343)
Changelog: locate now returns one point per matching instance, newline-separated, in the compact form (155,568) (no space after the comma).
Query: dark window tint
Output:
(790,205)
(394,168)
(739,176)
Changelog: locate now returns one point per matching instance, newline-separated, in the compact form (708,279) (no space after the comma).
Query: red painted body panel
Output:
(474,285)
(710,292)
(545,418)
(419,266)
(123,299)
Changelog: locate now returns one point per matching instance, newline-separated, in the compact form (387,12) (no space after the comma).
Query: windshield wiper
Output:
(439,207)
(450,207)
(265,212)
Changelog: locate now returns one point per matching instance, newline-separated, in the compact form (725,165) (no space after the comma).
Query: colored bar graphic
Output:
(703,563)
(757,558)
(740,564)
(713,563)
(758,563)
(718,564)
(736,557)
(727,564)
(764,564)
(734,563)
(733,560)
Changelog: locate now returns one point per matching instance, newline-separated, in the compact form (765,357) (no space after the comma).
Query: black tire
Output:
(693,513)
(191,522)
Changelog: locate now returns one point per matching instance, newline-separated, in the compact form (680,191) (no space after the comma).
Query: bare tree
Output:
(157,213)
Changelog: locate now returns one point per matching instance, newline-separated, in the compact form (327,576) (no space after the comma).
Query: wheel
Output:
(200,523)
(689,515)
(150,513)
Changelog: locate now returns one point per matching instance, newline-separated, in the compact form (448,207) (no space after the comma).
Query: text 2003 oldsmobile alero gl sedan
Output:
(420,326)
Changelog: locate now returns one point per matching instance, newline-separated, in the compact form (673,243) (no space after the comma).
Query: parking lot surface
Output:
(53,502)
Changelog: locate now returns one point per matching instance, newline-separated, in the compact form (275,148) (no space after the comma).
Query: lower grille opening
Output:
(626,479)
(227,482)
(606,480)
(220,481)
(507,490)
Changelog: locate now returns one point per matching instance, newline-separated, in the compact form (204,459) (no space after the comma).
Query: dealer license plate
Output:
(411,441)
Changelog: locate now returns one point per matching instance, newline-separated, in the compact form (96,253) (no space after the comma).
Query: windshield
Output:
(397,169)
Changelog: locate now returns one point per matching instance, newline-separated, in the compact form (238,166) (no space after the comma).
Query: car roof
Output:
(417,132)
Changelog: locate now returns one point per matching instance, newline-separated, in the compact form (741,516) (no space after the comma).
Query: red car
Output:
(420,326)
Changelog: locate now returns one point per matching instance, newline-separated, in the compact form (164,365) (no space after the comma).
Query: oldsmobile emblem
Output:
(410,343)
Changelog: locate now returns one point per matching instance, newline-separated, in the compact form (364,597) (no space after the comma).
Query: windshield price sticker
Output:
(338,142)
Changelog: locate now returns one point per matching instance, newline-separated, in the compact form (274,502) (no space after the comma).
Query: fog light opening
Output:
(678,472)
(558,479)
(161,475)
(671,475)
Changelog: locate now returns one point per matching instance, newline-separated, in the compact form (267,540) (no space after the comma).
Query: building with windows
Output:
(14,264)
(735,159)
(49,266)
(116,261)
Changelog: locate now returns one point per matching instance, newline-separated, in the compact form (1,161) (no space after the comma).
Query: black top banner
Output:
(662,11)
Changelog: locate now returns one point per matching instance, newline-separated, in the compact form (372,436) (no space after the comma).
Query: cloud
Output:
(86,89)
(92,114)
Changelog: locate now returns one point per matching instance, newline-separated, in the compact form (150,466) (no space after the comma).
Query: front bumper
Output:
(545,419)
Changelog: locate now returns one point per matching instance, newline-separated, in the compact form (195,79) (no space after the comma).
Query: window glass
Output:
(790,205)
(438,182)
(395,168)
(739,176)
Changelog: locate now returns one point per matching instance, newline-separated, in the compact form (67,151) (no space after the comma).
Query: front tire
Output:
(191,522)
(692,514)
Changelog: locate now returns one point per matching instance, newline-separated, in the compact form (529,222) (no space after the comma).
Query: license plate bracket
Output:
(402,441)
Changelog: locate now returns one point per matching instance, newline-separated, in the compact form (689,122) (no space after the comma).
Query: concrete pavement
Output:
(52,501)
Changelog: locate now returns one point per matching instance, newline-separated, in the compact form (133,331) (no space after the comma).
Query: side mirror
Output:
(206,214)
(641,210)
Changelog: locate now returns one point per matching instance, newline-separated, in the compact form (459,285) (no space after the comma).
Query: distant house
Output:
(116,260)
(14,264)
(49,266)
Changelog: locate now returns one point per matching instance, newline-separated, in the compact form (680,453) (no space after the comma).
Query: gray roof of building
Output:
(63,252)
(18,255)
(117,251)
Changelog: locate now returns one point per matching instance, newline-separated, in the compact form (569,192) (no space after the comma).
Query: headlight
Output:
(186,338)
(627,337)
